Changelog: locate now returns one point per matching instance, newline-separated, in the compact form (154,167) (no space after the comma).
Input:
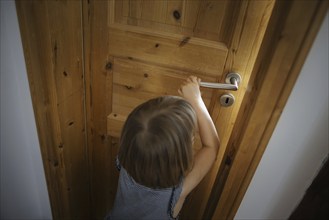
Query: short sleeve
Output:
(117,163)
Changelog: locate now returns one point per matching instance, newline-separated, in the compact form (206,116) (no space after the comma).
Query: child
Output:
(157,168)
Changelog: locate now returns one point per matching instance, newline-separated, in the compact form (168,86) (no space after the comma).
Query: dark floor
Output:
(315,204)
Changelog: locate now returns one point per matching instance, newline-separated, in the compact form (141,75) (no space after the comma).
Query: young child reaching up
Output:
(156,163)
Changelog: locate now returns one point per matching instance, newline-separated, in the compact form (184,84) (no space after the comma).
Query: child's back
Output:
(135,201)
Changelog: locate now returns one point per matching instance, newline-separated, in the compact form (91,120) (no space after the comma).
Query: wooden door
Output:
(90,62)
(144,49)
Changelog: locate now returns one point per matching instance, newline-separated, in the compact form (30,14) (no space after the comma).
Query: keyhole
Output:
(227,100)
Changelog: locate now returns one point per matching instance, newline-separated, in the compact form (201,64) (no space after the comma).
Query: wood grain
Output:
(52,42)
(98,73)
(195,56)
(202,19)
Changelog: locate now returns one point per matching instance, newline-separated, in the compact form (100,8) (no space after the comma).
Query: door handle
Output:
(232,82)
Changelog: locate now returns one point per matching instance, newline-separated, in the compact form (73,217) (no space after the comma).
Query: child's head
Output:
(156,141)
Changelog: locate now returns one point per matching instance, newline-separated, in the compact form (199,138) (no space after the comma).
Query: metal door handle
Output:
(232,83)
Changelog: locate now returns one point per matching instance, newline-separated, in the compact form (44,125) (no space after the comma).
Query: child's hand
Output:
(190,89)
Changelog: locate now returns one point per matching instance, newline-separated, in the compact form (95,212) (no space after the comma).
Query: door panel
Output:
(197,18)
(152,46)
(152,56)
(179,52)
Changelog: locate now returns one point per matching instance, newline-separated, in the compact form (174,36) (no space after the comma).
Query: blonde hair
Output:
(156,142)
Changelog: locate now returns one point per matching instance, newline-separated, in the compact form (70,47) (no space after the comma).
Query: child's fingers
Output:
(189,79)
(180,92)
(193,79)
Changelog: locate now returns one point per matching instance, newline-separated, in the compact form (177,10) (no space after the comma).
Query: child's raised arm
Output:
(206,156)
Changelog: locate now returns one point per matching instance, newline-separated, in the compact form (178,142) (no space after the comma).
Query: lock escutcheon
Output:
(227,100)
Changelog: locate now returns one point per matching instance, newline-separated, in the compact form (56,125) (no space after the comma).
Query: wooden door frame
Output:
(282,54)
(274,75)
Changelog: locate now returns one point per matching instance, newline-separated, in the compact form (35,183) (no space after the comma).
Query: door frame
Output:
(281,57)
(256,119)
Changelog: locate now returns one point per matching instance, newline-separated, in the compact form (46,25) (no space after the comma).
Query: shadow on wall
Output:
(296,173)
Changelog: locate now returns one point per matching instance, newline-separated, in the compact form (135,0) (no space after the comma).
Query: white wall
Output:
(23,186)
(298,145)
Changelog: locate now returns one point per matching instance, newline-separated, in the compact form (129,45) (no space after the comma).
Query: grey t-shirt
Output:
(135,201)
